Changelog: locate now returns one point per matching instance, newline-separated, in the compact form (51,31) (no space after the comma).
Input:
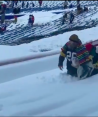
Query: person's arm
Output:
(62,56)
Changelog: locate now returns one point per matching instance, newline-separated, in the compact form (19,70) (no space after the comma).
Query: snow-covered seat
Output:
(22,32)
(49,5)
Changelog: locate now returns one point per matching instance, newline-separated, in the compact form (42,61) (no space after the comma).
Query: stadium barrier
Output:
(31,57)
(36,56)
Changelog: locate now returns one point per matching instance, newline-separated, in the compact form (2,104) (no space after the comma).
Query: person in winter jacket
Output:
(85,8)
(16,2)
(2,27)
(86,67)
(4,6)
(31,20)
(40,2)
(27,5)
(79,9)
(2,12)
(15,19)
(33,4)
(71,17)
(93,51)
(16,10)
(75,49)
(65,4)
(78,6)
(64,18)
(68,52)
(23,4)
(71,5)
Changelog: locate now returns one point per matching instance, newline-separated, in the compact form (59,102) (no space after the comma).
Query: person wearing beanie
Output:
(75,49)
(68,52)
(89,46)
(85,68)
(93,50)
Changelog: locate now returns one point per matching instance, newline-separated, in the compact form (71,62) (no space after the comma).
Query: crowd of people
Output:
(5,6)
(21,4)
(16,10)
(71,14)
(31,20)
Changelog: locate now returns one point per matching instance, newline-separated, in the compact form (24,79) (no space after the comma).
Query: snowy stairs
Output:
(44,30)
(50,5)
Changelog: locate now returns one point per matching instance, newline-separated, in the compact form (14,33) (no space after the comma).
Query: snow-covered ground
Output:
(49,43)
(52,11)
(38,88)
(50,93)
(95,16)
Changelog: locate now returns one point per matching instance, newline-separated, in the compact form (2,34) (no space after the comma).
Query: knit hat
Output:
(75,38)
(89,46)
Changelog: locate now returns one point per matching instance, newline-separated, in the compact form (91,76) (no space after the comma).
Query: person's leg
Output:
(72,71)
(95,71)
(85,70)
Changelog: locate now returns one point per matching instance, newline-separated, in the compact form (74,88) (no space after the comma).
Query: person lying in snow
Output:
(75,49)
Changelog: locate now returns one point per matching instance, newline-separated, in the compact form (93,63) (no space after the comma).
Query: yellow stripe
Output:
(90,57)
(81,54)
(62,54)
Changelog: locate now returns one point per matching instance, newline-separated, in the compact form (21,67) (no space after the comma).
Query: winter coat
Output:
(93,51)
(2,27)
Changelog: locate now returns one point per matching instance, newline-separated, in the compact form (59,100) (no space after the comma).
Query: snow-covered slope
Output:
(49,43)
(49,94)
(38,88)
(18,70)
(49,16)
(23,20)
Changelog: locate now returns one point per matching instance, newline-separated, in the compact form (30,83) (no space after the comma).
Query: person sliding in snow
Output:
(68,51)
(93,51)
(74,49)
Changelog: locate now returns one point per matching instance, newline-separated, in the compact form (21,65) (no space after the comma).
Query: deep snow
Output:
(39,88)
(49,94)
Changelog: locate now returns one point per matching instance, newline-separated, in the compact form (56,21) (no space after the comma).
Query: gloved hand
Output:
(89,58)
(60,64)
(96,65)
